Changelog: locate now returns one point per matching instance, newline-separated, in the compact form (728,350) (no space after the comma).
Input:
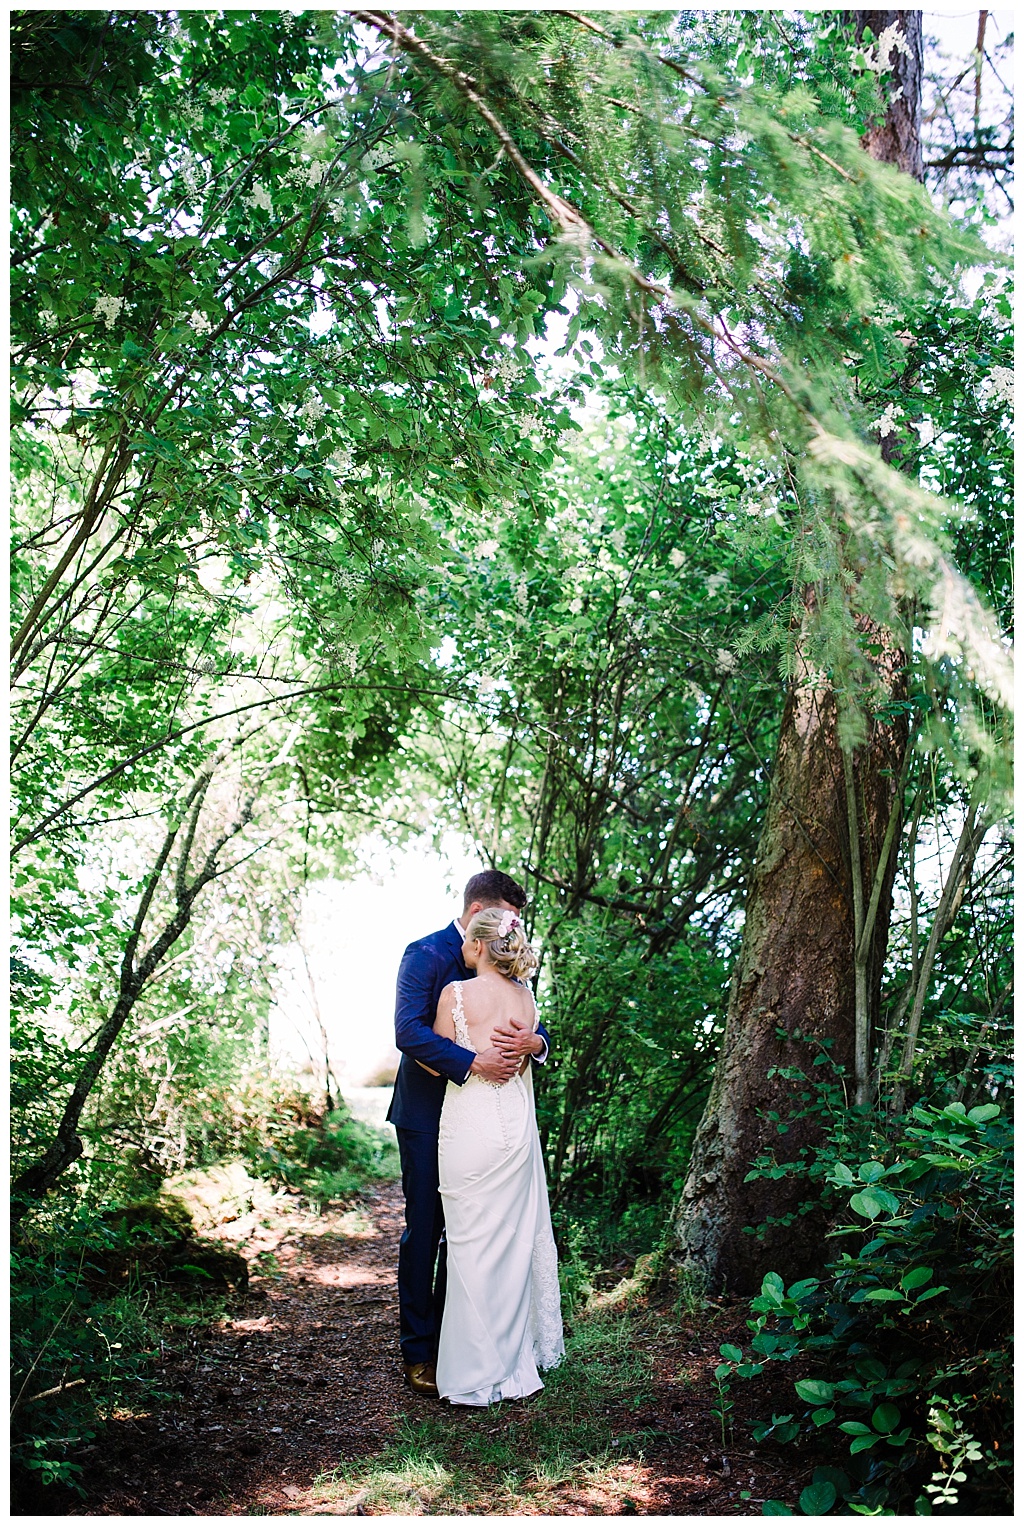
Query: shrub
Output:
(330,1160)
(907,1329)
(88,1309)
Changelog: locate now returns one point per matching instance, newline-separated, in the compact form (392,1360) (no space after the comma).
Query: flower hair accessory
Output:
(508,921)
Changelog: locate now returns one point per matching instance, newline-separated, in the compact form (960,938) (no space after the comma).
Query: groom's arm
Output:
(414,1018)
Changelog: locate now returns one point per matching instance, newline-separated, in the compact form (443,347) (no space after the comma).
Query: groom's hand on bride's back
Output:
(494,1065)
(518,1040)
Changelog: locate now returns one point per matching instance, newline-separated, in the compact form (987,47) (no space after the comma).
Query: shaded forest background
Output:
(591,433)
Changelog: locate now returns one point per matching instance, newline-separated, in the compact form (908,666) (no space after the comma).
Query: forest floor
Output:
(292,1403)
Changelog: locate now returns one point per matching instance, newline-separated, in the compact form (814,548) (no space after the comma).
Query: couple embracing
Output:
(477,1272)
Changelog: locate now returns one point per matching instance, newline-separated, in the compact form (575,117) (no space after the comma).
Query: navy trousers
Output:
(422,1262)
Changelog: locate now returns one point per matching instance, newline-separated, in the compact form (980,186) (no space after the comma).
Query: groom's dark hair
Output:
(491,886)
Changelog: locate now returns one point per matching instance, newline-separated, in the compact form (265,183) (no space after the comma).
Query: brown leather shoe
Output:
(422,1378)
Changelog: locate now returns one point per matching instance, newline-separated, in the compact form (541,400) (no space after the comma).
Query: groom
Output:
(427,967)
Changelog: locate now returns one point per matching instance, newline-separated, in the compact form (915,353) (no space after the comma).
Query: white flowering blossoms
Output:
(314,150)
(878,58)
(192,172)
(376,157)
(998,384)
(508,370)
(313,409)
(190,112)
(109,309)
(260,199)
(309,173)
(886,425)
(199,323)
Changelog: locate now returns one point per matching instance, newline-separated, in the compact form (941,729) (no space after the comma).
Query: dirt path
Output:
(304,1379)
(304,1376)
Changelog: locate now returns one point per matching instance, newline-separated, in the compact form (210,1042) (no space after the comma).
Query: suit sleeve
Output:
(414,1019)
(541,1059)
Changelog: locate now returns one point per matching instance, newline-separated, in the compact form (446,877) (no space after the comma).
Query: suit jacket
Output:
(427,967)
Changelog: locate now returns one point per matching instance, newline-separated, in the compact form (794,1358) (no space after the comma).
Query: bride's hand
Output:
(494,1066)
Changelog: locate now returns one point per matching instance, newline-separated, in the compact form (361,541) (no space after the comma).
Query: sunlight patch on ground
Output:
(251,1326)
(598,1486)
(337,1276)
(352,1225)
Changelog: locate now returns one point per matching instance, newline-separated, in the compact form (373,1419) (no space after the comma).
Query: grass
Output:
(574,1440)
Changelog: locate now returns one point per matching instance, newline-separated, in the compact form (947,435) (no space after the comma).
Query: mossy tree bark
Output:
(817,914)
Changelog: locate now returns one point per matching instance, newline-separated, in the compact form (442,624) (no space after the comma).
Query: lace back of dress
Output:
(461,1031)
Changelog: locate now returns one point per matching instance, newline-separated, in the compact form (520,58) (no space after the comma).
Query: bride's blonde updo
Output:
(506,941)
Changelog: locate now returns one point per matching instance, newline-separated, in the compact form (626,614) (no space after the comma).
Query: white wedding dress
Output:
(502,1311)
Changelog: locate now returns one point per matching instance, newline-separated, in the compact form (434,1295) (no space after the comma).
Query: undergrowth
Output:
(84,1351)
(513,1459)
(99,1287)
(329,1159)
(904,1337)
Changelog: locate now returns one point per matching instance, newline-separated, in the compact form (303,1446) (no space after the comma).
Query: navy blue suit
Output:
(427,967)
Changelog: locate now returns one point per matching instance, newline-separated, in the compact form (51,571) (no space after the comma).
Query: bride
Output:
(502,1315)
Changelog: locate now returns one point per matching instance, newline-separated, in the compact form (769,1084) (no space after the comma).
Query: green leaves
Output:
(818,1499)
(871,1171)
(873,1202)
(885,1418)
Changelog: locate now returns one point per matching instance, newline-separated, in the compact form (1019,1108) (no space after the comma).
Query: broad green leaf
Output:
(836,1476)
(871,1171)
(817,1499)
(885,1418)
(802,1289)
(866,1204)
(873,1201)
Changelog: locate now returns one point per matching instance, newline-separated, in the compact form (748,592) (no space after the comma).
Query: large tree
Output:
(809,974)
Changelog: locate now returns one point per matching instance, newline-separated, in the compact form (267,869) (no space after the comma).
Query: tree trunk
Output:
(799,988)
(897,138)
